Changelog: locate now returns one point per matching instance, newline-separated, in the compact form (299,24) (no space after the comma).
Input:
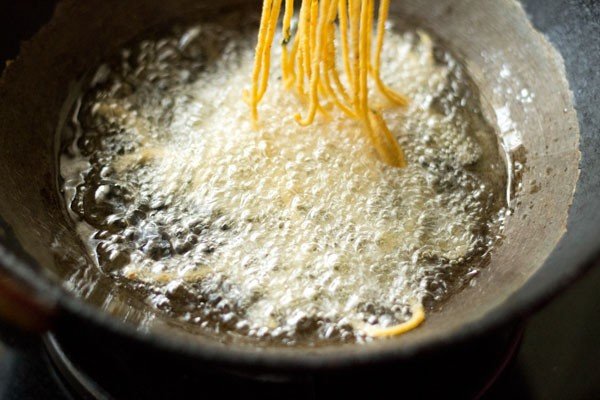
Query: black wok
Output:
(551,238)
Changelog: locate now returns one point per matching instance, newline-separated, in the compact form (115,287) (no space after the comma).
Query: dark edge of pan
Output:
(573,28)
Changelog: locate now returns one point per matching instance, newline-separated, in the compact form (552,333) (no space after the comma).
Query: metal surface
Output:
(483,364)
(486,34)
(79,383)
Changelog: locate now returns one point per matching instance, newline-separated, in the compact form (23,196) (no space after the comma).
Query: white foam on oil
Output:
(287,229)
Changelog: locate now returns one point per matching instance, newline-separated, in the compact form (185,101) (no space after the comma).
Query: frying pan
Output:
(551,50)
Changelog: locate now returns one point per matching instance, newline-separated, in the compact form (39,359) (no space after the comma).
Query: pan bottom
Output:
(479,368)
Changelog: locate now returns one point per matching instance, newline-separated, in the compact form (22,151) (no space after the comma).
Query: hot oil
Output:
(283,233)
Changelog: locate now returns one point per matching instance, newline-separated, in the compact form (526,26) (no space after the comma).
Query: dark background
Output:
(20,19)
(559,357)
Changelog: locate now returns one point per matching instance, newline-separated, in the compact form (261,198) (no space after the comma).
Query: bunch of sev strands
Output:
(309,67)
(309,64)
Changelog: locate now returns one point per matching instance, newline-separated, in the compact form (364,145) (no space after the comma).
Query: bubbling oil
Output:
(283,233)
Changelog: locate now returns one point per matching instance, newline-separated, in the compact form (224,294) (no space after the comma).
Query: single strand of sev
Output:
(416,319)
(308,63)
(390,94)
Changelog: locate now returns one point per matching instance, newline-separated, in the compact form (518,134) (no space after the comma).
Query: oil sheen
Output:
(282,233)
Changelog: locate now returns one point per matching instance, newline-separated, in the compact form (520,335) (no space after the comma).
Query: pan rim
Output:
(516,307)
(519,304)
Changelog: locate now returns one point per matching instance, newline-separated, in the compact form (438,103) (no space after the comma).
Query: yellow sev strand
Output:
(416,319)
(354,13)
(363,61)
(287,35)
(266,62)
(308,64)
(253,98)
(385,143)
(332,92)
(394,97)
(303,38)
(317,28)
(343,17)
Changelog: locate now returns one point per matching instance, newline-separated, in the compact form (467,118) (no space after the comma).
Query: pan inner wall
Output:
(521,82)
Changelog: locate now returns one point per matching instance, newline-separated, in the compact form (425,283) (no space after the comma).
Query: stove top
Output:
(558,358)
